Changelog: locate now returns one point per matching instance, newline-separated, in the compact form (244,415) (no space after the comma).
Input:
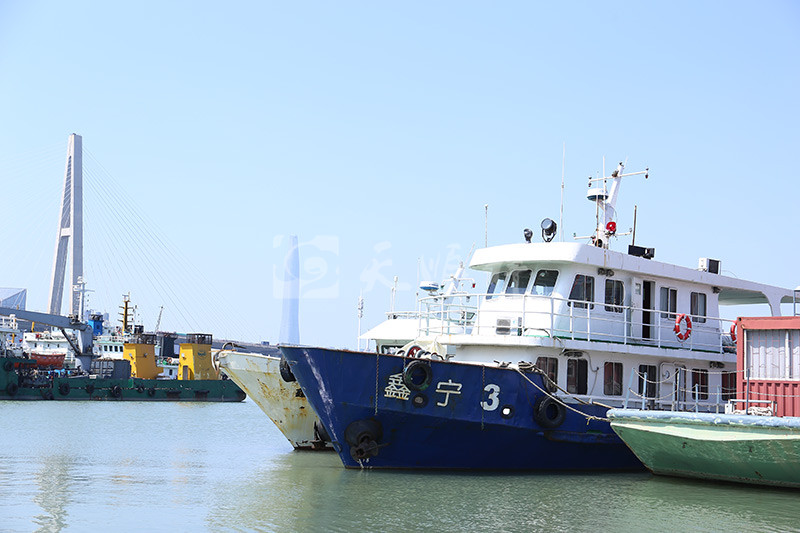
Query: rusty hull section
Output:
(283,402)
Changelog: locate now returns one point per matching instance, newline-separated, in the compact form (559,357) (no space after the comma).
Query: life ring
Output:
(417,375)
(63,389)
(12,389)
(682,336)
(413,351)
(548,412)
(733,332)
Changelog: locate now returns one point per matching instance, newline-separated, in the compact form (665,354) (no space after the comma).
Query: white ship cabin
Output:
(109,346)
(600,322)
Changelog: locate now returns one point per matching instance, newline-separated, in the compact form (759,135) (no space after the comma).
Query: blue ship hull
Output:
(452,416)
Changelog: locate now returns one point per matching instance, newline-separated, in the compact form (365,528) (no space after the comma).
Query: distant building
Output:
(14,298)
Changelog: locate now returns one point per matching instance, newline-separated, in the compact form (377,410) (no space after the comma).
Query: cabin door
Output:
(672,390)
(648,300)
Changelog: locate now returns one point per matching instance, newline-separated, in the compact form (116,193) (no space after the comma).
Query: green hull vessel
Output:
(763,450)
(86,387)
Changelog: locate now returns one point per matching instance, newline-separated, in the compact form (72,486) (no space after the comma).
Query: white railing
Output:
(675,393)
(534,315)
(395,315)
(8,323)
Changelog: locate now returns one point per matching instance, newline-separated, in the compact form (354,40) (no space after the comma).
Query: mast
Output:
(69,238)
(606,202)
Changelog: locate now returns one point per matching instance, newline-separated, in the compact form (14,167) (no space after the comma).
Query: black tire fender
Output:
(417,375)
(548,412)
(286,372)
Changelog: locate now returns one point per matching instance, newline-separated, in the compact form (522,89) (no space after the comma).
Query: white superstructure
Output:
(602,324)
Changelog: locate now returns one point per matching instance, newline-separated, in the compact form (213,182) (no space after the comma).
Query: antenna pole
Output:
(633,238)
(394,292)
(360,315)
(486,224)
(561,216)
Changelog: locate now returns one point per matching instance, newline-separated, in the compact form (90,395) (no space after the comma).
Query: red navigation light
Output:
(611,227)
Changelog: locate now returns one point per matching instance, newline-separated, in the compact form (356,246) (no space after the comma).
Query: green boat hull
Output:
(737,448)
(82,388)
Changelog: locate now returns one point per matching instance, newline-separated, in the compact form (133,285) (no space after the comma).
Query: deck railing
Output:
(674,393)
(550,316)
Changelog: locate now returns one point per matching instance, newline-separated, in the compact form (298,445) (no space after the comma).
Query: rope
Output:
(650,397)
(377,360)
(559,400)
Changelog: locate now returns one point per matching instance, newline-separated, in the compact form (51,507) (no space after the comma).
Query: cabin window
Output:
(700,384)
(650,373)
(669,303)
(698,308)
(497,285)
(577,376)
(545,282)
(612,379)
(614,295)
(548,365)
(518,282)
(583,291)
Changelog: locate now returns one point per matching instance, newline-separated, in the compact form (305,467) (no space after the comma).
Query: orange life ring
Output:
(733,332)
(686,334)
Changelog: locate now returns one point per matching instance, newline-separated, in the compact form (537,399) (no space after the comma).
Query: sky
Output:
(377,133)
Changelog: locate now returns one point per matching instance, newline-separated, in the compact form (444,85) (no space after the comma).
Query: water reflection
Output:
(54,480)
(169,467)
(312,492)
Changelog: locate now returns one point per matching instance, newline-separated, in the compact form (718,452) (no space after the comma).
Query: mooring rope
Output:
(559,400)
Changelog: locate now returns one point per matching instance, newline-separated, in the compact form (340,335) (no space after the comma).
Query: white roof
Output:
(732,291)
(398,329)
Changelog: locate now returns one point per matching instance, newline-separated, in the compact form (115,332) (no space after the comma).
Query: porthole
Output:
(419,400)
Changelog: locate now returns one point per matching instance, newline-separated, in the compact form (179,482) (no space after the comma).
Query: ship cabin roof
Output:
(730,291)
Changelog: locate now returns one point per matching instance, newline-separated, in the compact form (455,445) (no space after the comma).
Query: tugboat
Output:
(526,382)
(132,377)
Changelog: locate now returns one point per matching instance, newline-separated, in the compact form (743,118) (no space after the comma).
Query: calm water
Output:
(103,466)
